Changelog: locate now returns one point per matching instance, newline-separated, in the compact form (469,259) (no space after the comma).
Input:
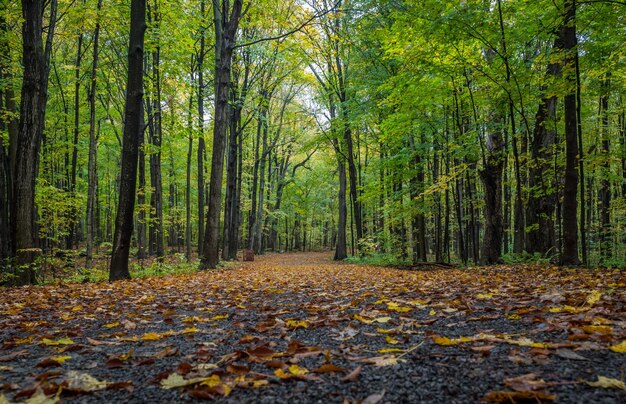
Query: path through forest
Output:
(300,327)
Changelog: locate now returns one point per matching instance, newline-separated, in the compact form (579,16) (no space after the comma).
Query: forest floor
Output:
(302,328)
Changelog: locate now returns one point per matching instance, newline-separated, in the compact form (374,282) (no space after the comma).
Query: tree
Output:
(570,186)
(226,21)
(130,149)
(36,60)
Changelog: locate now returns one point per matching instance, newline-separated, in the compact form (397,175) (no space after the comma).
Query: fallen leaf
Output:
(174,380)
(352,376)
(518,397)
(621,347)
(569,354)
(374,398)
(84,382)
(525,382)
(60,341)
(329,368)
(608,383)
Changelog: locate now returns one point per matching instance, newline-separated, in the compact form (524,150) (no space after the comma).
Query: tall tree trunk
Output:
(226,23)
(188,184)
(36,62)
(570,187)
(542,195)
(79,54)
(201,143)
(93,144)
(341,251)
(605,185)
(130,149)
(492,181)
(156,140)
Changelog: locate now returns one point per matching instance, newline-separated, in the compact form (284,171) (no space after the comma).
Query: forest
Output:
(259,172)
(472,133)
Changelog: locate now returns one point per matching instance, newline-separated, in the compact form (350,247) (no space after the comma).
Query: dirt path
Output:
(300,327)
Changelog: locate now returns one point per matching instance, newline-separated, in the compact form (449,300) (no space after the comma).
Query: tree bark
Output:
(130,149)
(93,145)
(36,62)
(226,23)
(570,187)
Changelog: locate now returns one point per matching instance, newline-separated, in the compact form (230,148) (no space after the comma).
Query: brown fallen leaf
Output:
(352,376)
(518,397)
(329,368)
(14,355)
(525,382)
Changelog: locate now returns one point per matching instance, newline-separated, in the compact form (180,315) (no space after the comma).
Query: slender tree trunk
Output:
(130,149)
(188,187)
(79,54)
(226,23)
(201,145)
(341,251)
(93,144)
(570,214)
(605,186)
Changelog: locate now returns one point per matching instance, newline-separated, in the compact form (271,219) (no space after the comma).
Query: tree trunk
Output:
(605,185)
(93,144)
(130,149)
(542,195)
(225,30)
(570,187)
(201,145)
(492,181)
(36,62)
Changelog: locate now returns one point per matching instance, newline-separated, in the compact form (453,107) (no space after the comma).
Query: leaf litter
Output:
(302,327)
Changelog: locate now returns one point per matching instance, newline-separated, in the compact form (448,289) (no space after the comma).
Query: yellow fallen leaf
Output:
(151,336)
(190,330)
(297,370)
(385,331)
(608,383)
(175,380)
(391,340)
(513,316)
(445,341)
(112,325)
(212,381)
(397,308)
(5,369)
(60,341)
(390,350)
(219,317)
(382,319)
(620,348)
(362,319)
(432,312)
(597,329)
(260,383)
(484,296)
(418,302)
(61,359)
(594,297)
(295,324)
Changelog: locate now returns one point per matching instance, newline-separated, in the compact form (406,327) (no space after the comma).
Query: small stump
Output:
(248,255)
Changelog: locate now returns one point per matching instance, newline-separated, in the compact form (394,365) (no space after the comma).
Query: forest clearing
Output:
(302,327)
(353,201)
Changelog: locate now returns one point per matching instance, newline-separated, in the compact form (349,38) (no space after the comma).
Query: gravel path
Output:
(302,328)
